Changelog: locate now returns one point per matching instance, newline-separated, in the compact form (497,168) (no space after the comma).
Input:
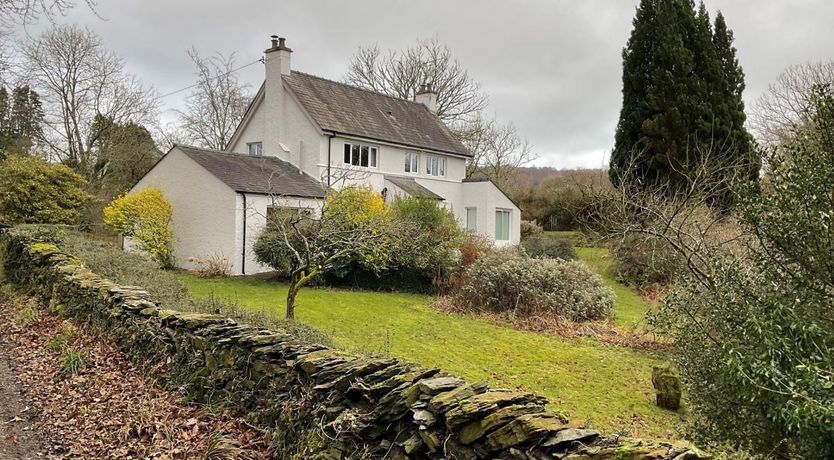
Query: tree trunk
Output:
(293,291)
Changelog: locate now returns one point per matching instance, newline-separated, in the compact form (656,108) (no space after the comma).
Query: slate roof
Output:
(410,186)
(346,109)
(256,174)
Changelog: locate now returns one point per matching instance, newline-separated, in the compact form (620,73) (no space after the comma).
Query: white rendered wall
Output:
(256,206)
(487,198)
(203,220)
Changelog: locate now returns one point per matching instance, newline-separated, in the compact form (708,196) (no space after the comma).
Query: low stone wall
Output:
(320,402)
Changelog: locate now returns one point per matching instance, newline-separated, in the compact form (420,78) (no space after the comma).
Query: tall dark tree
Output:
(677,114)
(739,140)
(20,119)
(124,152)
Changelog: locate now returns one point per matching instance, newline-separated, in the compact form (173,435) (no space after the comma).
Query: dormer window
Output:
(436,166)
(360,155)
(256,148)
(412,162)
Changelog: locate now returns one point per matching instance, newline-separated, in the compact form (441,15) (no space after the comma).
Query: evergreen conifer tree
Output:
(681,98)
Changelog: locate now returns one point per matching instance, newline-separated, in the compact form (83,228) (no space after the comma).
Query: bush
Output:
(542,247)
(527,289)
(642,261)
(213,266)
(144,216)
(530,228)
(36,192)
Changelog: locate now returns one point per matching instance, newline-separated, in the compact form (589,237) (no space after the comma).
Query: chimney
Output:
(279,54)
(427,96)
(277,64)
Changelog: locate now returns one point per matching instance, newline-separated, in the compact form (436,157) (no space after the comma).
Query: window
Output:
(412,161)
(435,166)
(256,148)
(360,155)
(472,219)
(502,225)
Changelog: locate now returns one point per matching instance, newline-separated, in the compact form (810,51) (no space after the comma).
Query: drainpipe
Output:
(329,146)
(243,250)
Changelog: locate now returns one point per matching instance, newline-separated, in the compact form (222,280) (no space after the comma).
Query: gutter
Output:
(243,246)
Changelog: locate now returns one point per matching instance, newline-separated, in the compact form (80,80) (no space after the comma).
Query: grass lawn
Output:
(629,308)
(606,386)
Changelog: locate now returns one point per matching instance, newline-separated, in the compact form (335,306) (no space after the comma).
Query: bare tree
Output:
(498,149)
(29,11)
(81,82)
(399,73)
(217,104)
(786,102)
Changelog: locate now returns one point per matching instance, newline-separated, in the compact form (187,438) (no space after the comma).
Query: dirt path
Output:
(20,438)
(66,391)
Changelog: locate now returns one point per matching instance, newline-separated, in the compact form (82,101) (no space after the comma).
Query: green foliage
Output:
(145,217)
(123,152)
(430,236)
(550,289)
(755,342)
(546,247)
(34,191)
(73,361)
(643,261)
(21,117)
(682,102)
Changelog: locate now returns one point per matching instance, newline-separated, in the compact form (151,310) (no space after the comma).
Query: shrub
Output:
(530,228)
(534,288)
(642,261)
(542,247)
(34,191)
(144,216)
(428,247)
(213,266)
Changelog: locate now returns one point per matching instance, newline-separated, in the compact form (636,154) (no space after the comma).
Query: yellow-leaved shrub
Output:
(145,217)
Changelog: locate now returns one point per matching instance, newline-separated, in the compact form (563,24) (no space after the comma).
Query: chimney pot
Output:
(274,40)
(281,42)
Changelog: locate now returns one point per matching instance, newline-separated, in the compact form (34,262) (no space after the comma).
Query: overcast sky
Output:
(553,67)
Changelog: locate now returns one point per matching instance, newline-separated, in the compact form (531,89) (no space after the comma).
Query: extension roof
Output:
(256,174)
(346,109)
(410,186)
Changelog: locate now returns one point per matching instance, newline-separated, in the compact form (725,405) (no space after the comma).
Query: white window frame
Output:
(412,163)
(500,221)
(259,148)
(435,166)
(472,221)
(353,155)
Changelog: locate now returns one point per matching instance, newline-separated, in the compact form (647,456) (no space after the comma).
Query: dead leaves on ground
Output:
(108,408)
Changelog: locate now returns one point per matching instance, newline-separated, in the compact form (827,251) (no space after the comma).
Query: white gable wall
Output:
(486,198)
(203,220)
(302,140)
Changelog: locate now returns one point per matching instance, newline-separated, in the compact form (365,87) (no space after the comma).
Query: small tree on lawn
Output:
(144,216)
(355,226)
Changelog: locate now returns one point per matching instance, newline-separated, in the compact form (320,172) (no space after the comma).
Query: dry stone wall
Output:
(319,402)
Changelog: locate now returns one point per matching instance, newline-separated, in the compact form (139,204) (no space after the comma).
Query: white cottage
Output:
(304,134)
